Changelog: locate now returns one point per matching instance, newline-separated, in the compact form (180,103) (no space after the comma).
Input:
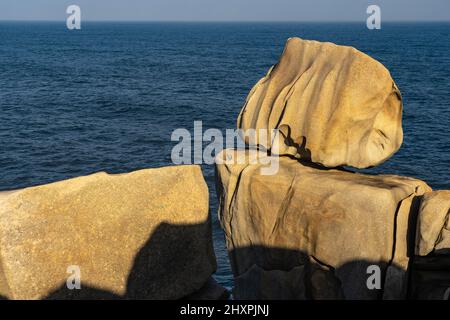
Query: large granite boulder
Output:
(318,230)
(333,105)
(137,235)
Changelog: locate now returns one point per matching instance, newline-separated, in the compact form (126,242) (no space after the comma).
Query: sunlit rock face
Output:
(137,235)
(324,228)
(333,105)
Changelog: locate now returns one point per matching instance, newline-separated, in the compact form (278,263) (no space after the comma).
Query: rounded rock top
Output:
(332,105)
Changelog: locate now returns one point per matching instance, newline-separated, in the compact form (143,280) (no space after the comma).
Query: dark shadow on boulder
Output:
(85,293)
(168,255)
(430,278)
(277,273)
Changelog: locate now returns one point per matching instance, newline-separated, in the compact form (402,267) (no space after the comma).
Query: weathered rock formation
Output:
(333,105)
(312,233)
(433,223)
(297,230)
(137,235)
(431,266)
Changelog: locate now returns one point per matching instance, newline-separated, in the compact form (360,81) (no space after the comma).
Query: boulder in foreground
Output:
(138,235)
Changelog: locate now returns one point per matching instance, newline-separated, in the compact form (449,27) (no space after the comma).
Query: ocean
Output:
(108,97)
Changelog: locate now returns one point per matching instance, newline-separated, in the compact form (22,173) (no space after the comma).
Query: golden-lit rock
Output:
(333,105)
(334,223)
(143,235)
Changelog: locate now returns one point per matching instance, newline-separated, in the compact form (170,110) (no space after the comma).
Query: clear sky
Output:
(227,10)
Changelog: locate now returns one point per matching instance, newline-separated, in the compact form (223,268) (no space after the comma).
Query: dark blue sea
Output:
(107,97)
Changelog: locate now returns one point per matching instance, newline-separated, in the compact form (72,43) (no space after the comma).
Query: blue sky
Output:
(227,10)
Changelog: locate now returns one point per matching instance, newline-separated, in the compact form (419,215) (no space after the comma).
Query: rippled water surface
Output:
(108,97)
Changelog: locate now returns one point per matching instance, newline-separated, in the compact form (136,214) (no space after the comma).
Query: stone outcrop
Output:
(316,230)
(137,235)
(433,223)
(333,105)
(430,269)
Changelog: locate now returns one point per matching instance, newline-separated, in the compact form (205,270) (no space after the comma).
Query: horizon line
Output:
(228,21)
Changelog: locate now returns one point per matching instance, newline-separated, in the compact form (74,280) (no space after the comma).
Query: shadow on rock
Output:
(276,273)
(164,268)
